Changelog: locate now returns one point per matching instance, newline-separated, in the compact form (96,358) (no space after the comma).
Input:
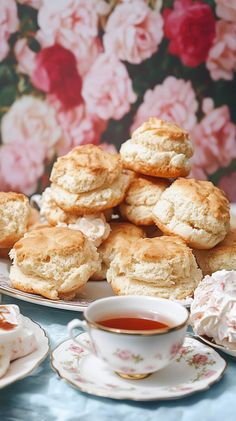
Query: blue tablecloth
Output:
(44,397)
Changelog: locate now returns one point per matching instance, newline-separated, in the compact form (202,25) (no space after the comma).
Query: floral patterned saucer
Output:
(196,368)
(23,367)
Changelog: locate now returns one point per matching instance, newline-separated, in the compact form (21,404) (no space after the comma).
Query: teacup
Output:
(133,354)
(10,327)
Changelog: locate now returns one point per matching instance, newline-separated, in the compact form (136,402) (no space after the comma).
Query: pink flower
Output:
(173,100)
(123,354)
(214,139)
(228,184)
(8,24)
(175,348)
(36,4)
(221,61)
(77,125)
(34,121)
(133,31)
(21,165)
(24,56)
(72,24)
(226,9)
(199,359)
(107,88)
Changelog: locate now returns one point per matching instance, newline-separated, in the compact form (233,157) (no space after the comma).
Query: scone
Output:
(158,148)
(121,234)
(142,195)
(160,267)
(94,226)
(89,180)
(53,262)
(222,256)
(196,211)
(14,217)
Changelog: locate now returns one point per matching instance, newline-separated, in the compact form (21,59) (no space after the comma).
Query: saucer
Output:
(24,366)
(211,342)
(196,368)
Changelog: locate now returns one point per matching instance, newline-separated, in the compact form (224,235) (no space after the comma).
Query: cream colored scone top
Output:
(161,267)
(122,233)
(54,262)
(142,195)
(158,148)
(14,217)
(93,201)
(213,310)
(222,256)
(86,168)
(94,226)
(196,211)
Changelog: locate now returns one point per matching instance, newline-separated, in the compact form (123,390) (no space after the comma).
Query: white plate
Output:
(24,366)
(195,369)
(90,292)
(221,348)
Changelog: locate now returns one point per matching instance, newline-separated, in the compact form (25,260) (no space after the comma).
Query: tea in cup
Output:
(134,335)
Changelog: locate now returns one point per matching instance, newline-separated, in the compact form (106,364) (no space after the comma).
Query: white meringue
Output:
(213,310)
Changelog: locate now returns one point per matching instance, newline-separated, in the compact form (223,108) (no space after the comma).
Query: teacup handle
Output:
(75,324)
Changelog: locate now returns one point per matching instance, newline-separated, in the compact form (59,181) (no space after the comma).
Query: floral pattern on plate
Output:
(195,368)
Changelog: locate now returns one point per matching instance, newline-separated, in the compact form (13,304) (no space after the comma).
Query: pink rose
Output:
(32,120)
(9,24)
(107,88)
(92,53)
(173,100)
(226,9)
(21,165)
(221,61)
(199,359)
(72,24)
(214,139)
(133,31)
(78,127)
(36,4)
(24,56)
(228,184)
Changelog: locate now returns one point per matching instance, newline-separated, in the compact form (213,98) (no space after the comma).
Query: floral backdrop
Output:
(91,71)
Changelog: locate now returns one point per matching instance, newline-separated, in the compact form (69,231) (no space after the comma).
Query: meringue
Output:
(213,310)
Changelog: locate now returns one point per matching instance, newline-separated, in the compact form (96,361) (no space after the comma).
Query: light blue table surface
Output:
(43,396)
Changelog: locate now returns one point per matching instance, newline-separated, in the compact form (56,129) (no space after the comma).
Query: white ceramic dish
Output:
(90,292)
(196,368)
(24,366)
(221,348)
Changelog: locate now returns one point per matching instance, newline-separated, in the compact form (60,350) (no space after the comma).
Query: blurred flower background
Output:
(90,71)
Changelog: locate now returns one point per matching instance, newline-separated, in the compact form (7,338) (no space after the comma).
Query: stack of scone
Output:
(147,184)
(16,217)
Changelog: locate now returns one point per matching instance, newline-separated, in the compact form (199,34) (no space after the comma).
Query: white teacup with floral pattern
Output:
(133,354)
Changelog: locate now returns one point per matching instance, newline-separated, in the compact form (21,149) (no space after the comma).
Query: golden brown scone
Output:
(141,196)
(161,267)
(121,233)
(93,201)
(158,148)
(14,217)
(53,262)
(33,218)
(222,256)
(86,168)
(89,180)
(196,211)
